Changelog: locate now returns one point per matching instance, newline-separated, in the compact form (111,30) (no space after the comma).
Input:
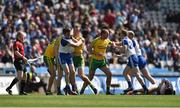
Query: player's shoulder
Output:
(125,40)
(82,38)
(17,43)
(97,38)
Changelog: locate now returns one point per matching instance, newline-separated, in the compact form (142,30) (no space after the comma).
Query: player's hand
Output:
(113,44)
(83,40)
(25,59)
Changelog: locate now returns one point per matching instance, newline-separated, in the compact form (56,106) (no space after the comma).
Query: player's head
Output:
(166,87)
(104,33)
(130,34)
(66,31)
(169,91)
(124,32)
(76,29)
(21,35)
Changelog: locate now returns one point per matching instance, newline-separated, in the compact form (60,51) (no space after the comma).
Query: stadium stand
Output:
(43,20)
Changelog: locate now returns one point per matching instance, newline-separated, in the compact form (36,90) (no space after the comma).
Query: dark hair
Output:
(124,32)
(169,91)
(66,29)
(104,30)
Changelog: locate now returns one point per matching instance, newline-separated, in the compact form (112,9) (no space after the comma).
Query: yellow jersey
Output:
(49,52)
(78,50)
(99,46)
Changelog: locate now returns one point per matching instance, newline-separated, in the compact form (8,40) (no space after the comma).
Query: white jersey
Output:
(136,46)
(130,49)
(65,47)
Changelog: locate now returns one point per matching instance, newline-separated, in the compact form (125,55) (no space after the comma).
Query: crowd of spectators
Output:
(43,20)
(173,17)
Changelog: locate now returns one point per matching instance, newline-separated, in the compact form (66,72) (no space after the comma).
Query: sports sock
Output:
(15,80)
(107,89)
(22,85)
(82,90)
(91,86)
(58,89)
(74,87)
(144,87)
(129,84)
(67,87)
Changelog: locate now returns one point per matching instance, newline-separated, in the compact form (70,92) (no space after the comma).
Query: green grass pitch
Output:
(90,101)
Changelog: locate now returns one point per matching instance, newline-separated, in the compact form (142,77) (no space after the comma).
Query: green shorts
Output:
(94,64)
(49,61)
(78,61)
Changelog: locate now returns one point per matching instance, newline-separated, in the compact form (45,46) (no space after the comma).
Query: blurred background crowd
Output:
(156,24)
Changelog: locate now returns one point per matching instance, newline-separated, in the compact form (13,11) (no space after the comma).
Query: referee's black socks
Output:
(15,80)
(22,85)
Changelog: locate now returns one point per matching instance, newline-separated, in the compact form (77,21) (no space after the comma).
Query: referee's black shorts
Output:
(20,65)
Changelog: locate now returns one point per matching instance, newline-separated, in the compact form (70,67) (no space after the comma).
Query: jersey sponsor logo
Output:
(102,47)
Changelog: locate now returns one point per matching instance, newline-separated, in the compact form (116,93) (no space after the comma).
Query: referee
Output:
(19,62)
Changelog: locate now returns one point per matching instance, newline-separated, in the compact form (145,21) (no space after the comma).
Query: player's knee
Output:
(73,72)
(109,74)
(124,73)
(83,77)
(53,74)
(67,72)
(90,77)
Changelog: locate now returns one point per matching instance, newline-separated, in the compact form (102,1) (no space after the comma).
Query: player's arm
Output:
(56,47)
(118,43)
(123,46)
(114,44)
(64,42)
(74,40)
(20,56)
(74,44)
(85,49)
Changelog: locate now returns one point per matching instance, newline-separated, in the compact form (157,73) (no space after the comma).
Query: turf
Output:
(89,101)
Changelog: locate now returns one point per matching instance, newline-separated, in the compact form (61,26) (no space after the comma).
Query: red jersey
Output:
(18,46)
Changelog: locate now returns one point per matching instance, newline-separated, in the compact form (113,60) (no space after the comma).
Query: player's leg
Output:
(126,74)
(19,67)
(60,74)
(133,63)
(108,73)
(49,63)
(23,81)
(92,68)
(79,65)
(147,75)
(140,79)
(85,84)
(142,66)
(64,61)
(86,79)
(14,81)
(72,77)
(67,89)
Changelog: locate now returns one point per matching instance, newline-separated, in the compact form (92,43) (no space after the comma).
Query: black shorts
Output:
(20,65)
